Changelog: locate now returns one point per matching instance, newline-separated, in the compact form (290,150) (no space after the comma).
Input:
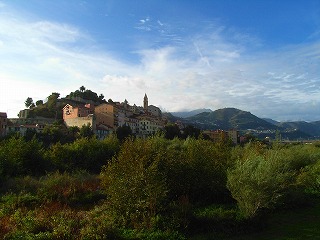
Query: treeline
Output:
(154,188)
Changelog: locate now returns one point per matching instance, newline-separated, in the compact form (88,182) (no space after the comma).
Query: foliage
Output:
(87,94)
(21,157)
(135,187)
(85,153)
(171,131)
(267,178)
(86,131)
(152,188)
(29,102)
(123,132)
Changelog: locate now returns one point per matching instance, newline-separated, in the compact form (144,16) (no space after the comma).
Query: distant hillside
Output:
(190,113)
(170,117)
(312,128)
(229,118)
(269,120)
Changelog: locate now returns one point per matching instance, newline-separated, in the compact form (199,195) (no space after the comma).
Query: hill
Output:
(230,118)
(190,113)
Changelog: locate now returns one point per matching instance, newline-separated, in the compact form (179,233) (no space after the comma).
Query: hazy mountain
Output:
(170,117)
(228,118)
(245,122)
(190,113)
(269,120)
(312,128)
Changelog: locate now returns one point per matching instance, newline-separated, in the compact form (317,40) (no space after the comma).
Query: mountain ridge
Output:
(246,122)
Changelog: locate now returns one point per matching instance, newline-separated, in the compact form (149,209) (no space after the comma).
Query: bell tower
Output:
(145,103)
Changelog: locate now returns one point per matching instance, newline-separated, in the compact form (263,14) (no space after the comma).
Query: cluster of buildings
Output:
(107,117)
(104,119)
(221,135)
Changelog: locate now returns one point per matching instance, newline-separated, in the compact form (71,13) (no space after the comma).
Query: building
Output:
(107,114)
(221,135)
(233,135)
(107,117)
(149,125)
(24,113)
(79,115)
(145,103)
(155,111)
(3,124)
(216,135)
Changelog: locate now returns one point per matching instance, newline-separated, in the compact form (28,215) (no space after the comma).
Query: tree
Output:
(101,97)
(82,88)
(52,100)
(29,102)
(86,131)
(172,131)
(39,103)
(191,131)
(123,132)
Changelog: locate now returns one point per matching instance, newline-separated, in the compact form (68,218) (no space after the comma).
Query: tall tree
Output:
(82,88)
(39,103)
(29,102)
(101,97)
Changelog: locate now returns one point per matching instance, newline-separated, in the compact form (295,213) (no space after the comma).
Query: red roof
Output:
(3,114)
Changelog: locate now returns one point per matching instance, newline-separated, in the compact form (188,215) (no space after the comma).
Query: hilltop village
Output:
(103,117)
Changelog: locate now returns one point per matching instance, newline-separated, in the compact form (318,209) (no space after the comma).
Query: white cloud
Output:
(208,69)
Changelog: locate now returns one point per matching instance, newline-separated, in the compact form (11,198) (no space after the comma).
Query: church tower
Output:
(145,103)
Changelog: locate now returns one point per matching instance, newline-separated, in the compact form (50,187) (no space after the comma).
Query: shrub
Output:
(19,157)
(134,186)
(88,154)
(263,180)
(76,188)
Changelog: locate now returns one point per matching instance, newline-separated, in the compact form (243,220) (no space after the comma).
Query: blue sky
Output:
(261,56)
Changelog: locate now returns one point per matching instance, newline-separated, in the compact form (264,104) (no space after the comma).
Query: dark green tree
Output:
(101,97)
(39,103)
(191,131)
(123,132)
(29,102)
(171,131)
(82,88)
(86,131)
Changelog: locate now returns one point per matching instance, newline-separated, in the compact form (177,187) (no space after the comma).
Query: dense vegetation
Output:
(155,188)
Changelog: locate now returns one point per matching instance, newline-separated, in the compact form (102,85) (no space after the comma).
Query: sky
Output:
(261,56)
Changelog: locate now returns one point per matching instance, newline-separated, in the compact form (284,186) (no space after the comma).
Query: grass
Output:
(296,224)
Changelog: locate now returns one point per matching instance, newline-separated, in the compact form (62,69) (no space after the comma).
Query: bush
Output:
(19,157)
(78,188)
(134,186)
(88,154)
(268,178)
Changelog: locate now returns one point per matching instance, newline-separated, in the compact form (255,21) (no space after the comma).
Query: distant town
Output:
(104,118)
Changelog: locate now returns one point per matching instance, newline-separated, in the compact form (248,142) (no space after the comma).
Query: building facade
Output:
(3,124)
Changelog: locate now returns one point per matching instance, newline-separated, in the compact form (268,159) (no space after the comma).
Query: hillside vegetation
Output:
(151,188)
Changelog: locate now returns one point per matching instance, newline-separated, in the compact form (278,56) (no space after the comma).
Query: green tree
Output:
(171,131)
(29,102)
(191,131)
(39,103)
(86,131)
(101,97)
(82,88)
(135,187)
(123,132)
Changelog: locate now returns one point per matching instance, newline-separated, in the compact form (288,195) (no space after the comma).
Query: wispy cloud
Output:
(212,67)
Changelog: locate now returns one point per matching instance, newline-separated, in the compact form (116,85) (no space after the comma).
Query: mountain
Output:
(190,113)
(230,118)
(171,117)
(269,120)
(310,128)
